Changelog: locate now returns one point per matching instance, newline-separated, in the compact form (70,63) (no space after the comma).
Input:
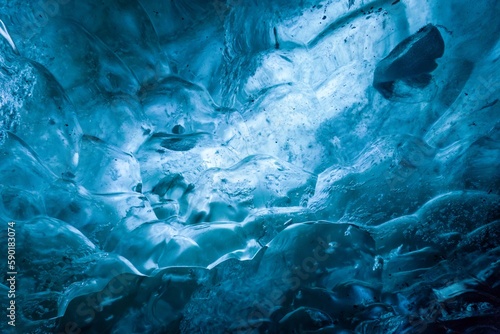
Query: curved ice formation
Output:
(251,166)
(5,33)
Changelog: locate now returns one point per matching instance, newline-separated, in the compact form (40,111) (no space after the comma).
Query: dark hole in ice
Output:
(180,142)
(410,61)
(68,175)
(74,207)
(178,129)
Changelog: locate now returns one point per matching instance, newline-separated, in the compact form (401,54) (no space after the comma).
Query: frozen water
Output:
(235,166)
(411,61)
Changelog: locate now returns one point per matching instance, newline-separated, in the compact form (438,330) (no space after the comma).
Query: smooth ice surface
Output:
(234,166)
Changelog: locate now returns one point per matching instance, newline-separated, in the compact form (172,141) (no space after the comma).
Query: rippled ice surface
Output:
(251,166)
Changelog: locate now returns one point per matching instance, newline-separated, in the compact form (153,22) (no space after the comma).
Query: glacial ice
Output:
(235,166)
(411,61)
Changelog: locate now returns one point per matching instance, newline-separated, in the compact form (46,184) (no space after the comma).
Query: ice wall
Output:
(251,166)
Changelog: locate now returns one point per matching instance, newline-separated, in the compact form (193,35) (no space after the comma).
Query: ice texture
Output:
(410,61)
(232,166)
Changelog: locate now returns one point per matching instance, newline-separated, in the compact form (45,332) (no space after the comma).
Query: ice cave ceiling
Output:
(243,166)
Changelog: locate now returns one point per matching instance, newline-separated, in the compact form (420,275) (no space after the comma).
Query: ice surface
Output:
(411,61)
(235,166)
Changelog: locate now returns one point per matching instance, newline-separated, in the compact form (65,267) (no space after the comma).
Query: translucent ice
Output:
(232,166)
